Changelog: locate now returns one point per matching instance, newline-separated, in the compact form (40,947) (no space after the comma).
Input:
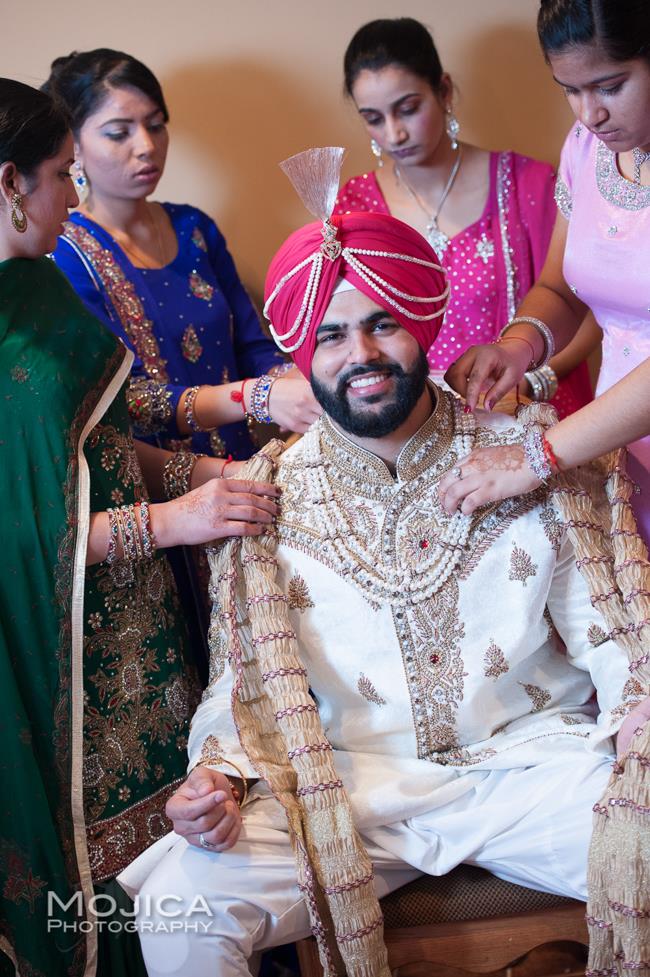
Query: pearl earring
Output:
(376,151)
(453,128)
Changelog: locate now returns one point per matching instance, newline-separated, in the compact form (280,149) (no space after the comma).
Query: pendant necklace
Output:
(438,240)
(639,158)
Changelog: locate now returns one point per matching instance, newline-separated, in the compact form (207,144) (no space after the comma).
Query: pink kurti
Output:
(606,265)
(492,263)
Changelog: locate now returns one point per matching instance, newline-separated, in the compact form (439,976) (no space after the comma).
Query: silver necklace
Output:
(639,158)
(438,240)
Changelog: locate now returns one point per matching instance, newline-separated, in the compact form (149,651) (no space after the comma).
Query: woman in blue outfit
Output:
(161,278)
(160,275)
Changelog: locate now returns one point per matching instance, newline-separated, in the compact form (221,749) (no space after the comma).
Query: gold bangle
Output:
(220,761)
(229,763)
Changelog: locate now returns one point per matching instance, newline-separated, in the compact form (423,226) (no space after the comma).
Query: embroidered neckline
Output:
(615,188)
(408,553)
(423,450)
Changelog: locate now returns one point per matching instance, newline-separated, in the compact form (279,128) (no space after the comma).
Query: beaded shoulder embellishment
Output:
(563,198)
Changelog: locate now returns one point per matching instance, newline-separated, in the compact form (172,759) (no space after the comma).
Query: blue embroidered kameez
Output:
(189,323)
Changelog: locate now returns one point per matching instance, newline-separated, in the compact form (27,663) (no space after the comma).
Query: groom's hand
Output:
(204,806)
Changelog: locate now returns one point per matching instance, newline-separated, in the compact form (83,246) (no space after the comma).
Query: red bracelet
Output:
(549,454)
(226,462)
(238,395)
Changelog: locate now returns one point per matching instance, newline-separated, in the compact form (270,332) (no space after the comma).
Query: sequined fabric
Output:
(492,263)
(189,323)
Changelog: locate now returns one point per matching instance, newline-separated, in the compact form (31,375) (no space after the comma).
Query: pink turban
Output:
(379,255)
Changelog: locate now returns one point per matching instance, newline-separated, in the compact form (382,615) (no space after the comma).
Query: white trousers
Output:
(531,826)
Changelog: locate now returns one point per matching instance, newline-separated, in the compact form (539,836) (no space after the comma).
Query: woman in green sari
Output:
(95,686)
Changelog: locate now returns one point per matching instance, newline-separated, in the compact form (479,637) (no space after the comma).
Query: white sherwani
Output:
(455,662)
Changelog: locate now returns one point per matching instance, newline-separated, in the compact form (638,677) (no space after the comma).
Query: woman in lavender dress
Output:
(488,216)
(599,52)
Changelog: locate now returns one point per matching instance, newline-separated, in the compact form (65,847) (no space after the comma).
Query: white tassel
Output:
(315,175)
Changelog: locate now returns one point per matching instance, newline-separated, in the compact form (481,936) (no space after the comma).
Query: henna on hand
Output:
(507,458)
(214,514)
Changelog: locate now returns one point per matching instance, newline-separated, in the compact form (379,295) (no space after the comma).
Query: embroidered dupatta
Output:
(59,372)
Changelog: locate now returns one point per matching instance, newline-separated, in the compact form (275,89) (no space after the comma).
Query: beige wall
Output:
(250,82)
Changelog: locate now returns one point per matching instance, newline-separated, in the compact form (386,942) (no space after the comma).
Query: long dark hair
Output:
(82,79)
(620,27)
(32,126)
(402,41)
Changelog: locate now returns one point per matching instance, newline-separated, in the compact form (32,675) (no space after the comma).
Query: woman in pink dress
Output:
(599,52)
(489,216)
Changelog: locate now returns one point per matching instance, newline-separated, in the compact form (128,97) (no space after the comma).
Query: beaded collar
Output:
(389,538)
(614,187)
(423,450)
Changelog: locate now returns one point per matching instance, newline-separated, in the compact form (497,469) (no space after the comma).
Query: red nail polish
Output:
(467,409)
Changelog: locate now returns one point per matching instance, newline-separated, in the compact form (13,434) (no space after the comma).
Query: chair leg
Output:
(308,958)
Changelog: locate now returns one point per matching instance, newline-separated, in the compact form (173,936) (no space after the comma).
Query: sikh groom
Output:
(394,690)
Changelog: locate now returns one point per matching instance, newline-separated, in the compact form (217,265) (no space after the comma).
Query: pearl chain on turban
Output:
(380,256)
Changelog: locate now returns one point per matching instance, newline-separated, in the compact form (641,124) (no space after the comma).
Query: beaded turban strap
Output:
(379,255)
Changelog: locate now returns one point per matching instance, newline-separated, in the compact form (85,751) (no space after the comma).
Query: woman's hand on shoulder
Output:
(219,508)
(486,475)
(292,404)
(494,367)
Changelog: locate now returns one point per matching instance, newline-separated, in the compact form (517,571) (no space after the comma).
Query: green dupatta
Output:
(76,804)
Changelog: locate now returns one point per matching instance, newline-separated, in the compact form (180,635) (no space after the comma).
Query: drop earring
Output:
(18,217)
(453,128)
(80,180)
(376,152)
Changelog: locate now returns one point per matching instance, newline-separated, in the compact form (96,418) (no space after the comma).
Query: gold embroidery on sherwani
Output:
(632,693)
(552,525)
(596,635)
(552,632)
(633,689)
(539,697)
(298,594)
(390,539)
(494,661)
(570,720)
(431,633)
(521,565)
(280,730)
(369,692)
(211,751)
